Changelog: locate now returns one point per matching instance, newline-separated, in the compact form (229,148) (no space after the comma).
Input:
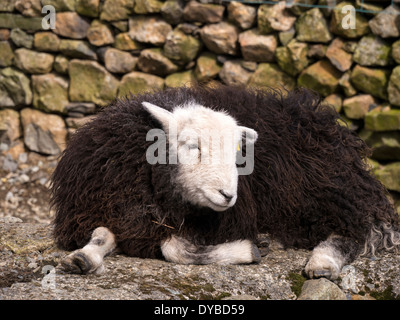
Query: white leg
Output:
(180,250)
(89,259)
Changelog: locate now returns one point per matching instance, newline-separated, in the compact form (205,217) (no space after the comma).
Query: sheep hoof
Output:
(321,274)
(319,266)
(255,254)
(81,263)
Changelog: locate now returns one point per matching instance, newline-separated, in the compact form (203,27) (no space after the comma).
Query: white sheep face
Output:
(204,144)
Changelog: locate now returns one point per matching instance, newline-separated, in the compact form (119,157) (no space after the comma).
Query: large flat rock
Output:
(28,257)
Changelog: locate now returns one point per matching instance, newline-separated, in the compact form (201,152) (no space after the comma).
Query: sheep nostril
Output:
(227,196)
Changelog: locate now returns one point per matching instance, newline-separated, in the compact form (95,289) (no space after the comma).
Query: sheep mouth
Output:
(218,206)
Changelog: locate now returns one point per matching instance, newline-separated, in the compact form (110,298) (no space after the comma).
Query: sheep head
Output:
(204,144)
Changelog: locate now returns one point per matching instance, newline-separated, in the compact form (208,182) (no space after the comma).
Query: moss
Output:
(371,80)
(222,295)
(270,75)
(387,294)
(208,287)
(297,281)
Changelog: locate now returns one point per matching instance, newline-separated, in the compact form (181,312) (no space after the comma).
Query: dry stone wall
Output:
(53,81)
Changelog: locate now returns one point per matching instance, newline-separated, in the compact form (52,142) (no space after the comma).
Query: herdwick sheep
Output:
(308,186)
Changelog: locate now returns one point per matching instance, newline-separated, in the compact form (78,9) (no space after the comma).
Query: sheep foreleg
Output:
(329,257)
(89,259)
(180,250)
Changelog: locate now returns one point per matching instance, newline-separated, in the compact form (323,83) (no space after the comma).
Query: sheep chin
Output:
(216,206)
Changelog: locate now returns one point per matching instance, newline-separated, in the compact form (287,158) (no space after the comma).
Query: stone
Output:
(389,175)
(77,49)
(118,61)
(257,47)
(71,25)
(321,76)
(81,107)
(38,140)
(374,8)
(383,120)
(270,75)
(350,46)
(242,15)
(50,93)
(233,73)
(15,88)
(335,101)
(29,8)
(147,6)
(138,82)
(203,12)
(4,34)
(33,62)
(9,126)
(220,38)
(181,47)
(338,17)
(321,289)
(21,39)
(317,51)
(396,51)
(358,106)
(99,34)
(249,65)
(297,7)
(153,61)
(91,82)
(275,17)
(341,59)
(311,26)
(77,123)
(286,36)
(180,79)
(385,145)
(88,8)
(9,165)
(172,11)
(394,87)
(346,85)
(60,5)
(276,277)
(386,23)
(292,58)
(114,10)
(328,6)
(371,50)
(46,41)
(124,42)
(7,5)
(372,81)
(61,64)
(13,21)
(6,54)
(207,67)
(189,28)
(149,29)
(43,133)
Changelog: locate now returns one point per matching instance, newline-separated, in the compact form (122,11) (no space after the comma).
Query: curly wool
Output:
(310,178)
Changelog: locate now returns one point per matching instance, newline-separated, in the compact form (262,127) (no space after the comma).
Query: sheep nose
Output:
(227,196)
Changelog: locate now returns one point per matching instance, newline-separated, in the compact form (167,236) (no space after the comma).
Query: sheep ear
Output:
(251,135)
(162,115)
